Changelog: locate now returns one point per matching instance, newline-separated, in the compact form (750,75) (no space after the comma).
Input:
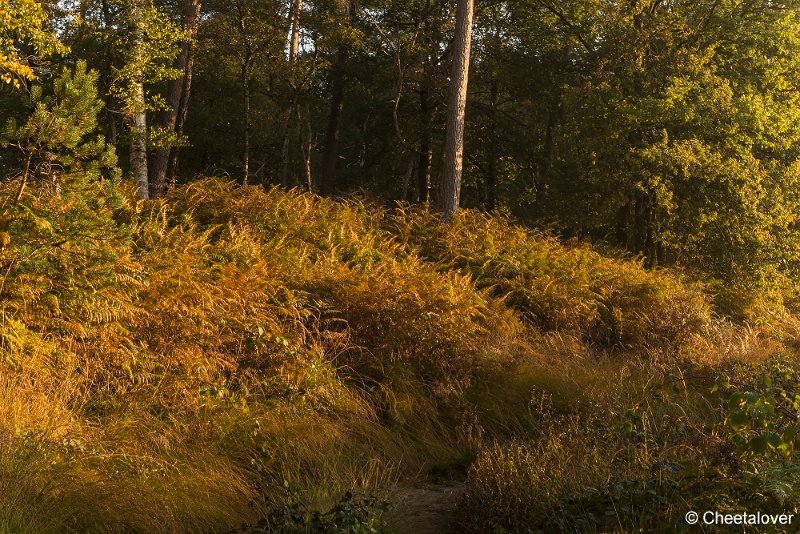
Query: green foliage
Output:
(59,136)
(763,416)
(682,149)
(24,22)
(350,515)
(149,54)
(62,236)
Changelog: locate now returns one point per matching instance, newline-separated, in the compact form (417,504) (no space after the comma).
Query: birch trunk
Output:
(247,61)
(138,155)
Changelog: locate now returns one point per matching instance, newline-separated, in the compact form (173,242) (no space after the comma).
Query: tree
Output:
(24,22)
(137,106)
(457,104)
(57,141)
(294,86)
(177,98)
(344,17)
(241,51)
(152,41)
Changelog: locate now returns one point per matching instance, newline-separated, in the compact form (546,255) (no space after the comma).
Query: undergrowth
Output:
(177,365)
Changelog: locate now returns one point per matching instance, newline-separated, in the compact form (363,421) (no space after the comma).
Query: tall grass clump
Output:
(632,445)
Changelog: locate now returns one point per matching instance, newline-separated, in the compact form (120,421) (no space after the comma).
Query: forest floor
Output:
(426,508)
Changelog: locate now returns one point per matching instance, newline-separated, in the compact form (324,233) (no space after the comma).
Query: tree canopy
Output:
(24,36)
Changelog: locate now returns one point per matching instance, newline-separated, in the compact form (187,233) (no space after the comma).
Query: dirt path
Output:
(425,509)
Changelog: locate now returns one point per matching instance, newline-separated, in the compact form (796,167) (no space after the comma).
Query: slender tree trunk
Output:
(407,177)
(459,79)
(247,60)
(294,48)
(246,110)
(426,141)
(427,110)
(175,88)
(623,224)
(138,153)
(491,165)
(548,150)
(331,155)
(294,44)
(138,156)
(106,74)
(180,122)
(307,149)
(183,110)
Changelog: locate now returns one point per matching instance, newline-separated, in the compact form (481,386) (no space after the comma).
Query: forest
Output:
(399,266)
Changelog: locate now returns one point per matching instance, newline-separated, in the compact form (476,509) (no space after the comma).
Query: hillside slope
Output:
(232,356)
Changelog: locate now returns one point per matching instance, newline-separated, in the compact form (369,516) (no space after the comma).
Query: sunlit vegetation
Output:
(196,362)
(600,336)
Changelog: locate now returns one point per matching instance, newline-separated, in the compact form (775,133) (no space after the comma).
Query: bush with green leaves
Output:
(764,411)
(352,514)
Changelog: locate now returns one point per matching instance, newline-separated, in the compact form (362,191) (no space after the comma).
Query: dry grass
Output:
(174,366)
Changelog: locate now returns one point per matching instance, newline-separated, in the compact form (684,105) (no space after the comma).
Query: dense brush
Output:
(186,364)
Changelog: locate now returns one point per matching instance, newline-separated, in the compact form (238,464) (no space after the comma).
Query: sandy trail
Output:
(424,509)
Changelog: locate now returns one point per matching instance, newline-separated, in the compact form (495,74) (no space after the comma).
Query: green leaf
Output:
(759,444)
(735,400)
(738,420)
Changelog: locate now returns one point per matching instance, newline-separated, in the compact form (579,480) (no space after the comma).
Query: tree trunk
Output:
(459,79)
(307,149)
(175,89)
(407,177)
(138,154)
(331,155)
(546,159)
(183,110)
(623,224)
(247,60)
(246,110)
(491,164)
(294,48)
(106,75)
(425,141)
(294,44)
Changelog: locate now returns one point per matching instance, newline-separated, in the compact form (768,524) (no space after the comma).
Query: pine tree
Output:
(58,147)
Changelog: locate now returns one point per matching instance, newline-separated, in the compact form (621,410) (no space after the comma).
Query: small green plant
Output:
(762,415)
(350,515)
